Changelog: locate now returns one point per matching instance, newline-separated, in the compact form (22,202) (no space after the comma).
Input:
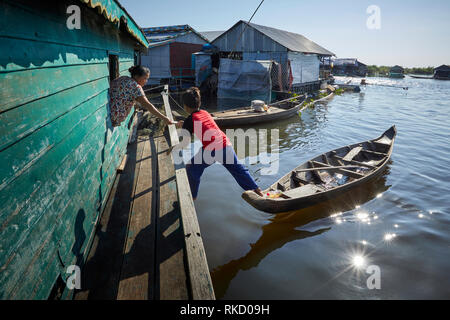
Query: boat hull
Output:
(232,118)
(283,205)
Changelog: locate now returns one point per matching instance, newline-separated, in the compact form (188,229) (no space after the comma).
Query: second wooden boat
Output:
(326,176)
(247,116)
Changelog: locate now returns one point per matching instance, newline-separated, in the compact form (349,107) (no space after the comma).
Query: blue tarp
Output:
(245,80)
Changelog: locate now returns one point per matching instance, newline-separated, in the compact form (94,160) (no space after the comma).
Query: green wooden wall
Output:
(58,150)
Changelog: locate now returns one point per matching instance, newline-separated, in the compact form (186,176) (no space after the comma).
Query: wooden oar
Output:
(329,168)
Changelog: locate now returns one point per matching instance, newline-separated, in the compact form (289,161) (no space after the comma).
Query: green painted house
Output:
(58,150)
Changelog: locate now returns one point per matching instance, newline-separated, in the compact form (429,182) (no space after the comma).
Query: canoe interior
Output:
(305,186)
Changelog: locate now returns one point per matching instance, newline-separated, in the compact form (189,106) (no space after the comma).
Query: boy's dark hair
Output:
(192,98)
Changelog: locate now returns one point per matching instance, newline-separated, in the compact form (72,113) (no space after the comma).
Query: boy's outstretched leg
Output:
(239,172)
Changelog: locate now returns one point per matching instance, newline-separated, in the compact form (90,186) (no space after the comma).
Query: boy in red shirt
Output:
(216,146)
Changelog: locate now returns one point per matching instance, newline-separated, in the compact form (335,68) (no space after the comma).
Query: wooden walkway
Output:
(148,245)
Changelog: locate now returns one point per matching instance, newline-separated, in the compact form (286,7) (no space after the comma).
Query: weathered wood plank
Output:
(46,22)
(77,171)
(138,270)
(101,273)
(20,122)
(62,208)
(21,54)
(172,274)
(353,153)
(62,176)
(355,162)
(199,276)
(21,156)
(25,86)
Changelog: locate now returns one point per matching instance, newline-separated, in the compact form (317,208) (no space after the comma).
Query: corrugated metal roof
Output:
(292,41)
(347,61)
(443,67)
(157,35)
(211,35)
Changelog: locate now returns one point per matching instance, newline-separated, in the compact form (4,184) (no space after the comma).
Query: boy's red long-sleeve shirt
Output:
(205,128)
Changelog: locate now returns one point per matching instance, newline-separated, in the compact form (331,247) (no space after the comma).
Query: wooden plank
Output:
(45,23)
(20,122)
(303,191)
(340,169)
(28,151)
(25,86)
(60,226)
(172,277)
(137,278)
(199,276)
(353,153)
(66,200)
(314,171)
(300,177)
(374,153)
(355,162)
(35,187)
(122,164)
(101,274)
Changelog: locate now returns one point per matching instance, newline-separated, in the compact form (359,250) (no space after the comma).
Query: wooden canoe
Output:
(247,116)
(326,176)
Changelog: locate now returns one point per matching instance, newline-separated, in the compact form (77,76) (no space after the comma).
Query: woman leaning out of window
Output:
(126,91)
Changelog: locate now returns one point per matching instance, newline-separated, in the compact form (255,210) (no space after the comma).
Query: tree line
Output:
(384,70)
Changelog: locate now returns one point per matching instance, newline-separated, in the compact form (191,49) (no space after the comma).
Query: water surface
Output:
(400,222)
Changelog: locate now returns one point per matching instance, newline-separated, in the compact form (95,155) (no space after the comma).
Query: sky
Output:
(413,33)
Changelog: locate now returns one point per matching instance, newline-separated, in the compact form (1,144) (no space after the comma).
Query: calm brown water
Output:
(400,222)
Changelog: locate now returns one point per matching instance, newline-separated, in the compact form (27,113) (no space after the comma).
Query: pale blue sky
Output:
(413,33)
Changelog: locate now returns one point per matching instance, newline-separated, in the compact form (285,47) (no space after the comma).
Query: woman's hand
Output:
(167,121)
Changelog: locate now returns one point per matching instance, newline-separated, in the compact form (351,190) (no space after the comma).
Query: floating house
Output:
(349,67)
(397,72)
(58,150)
(442,73)
(169,56)
(298,57)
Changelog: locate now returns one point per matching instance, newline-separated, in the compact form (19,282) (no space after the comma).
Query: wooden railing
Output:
(199,276)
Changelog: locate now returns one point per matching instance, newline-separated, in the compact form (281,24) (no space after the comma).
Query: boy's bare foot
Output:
(259,192)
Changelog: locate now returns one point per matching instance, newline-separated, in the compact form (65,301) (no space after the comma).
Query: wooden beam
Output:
(374,153)
(355,162)
(171,271)
(137,278)
(199,276)
(340,169)
(353,153)
(121,168)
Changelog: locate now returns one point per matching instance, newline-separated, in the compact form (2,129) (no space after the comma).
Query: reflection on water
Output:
(283,229)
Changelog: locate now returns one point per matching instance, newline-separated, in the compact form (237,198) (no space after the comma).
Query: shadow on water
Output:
(283,229)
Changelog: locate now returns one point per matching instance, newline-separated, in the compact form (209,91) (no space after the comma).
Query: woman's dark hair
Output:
(192,98)
(139,71)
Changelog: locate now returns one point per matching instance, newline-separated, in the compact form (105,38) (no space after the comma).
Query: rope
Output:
(245,28)
(154,88)
(177,104)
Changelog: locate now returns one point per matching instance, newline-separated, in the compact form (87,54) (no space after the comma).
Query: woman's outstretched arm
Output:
(150,107)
